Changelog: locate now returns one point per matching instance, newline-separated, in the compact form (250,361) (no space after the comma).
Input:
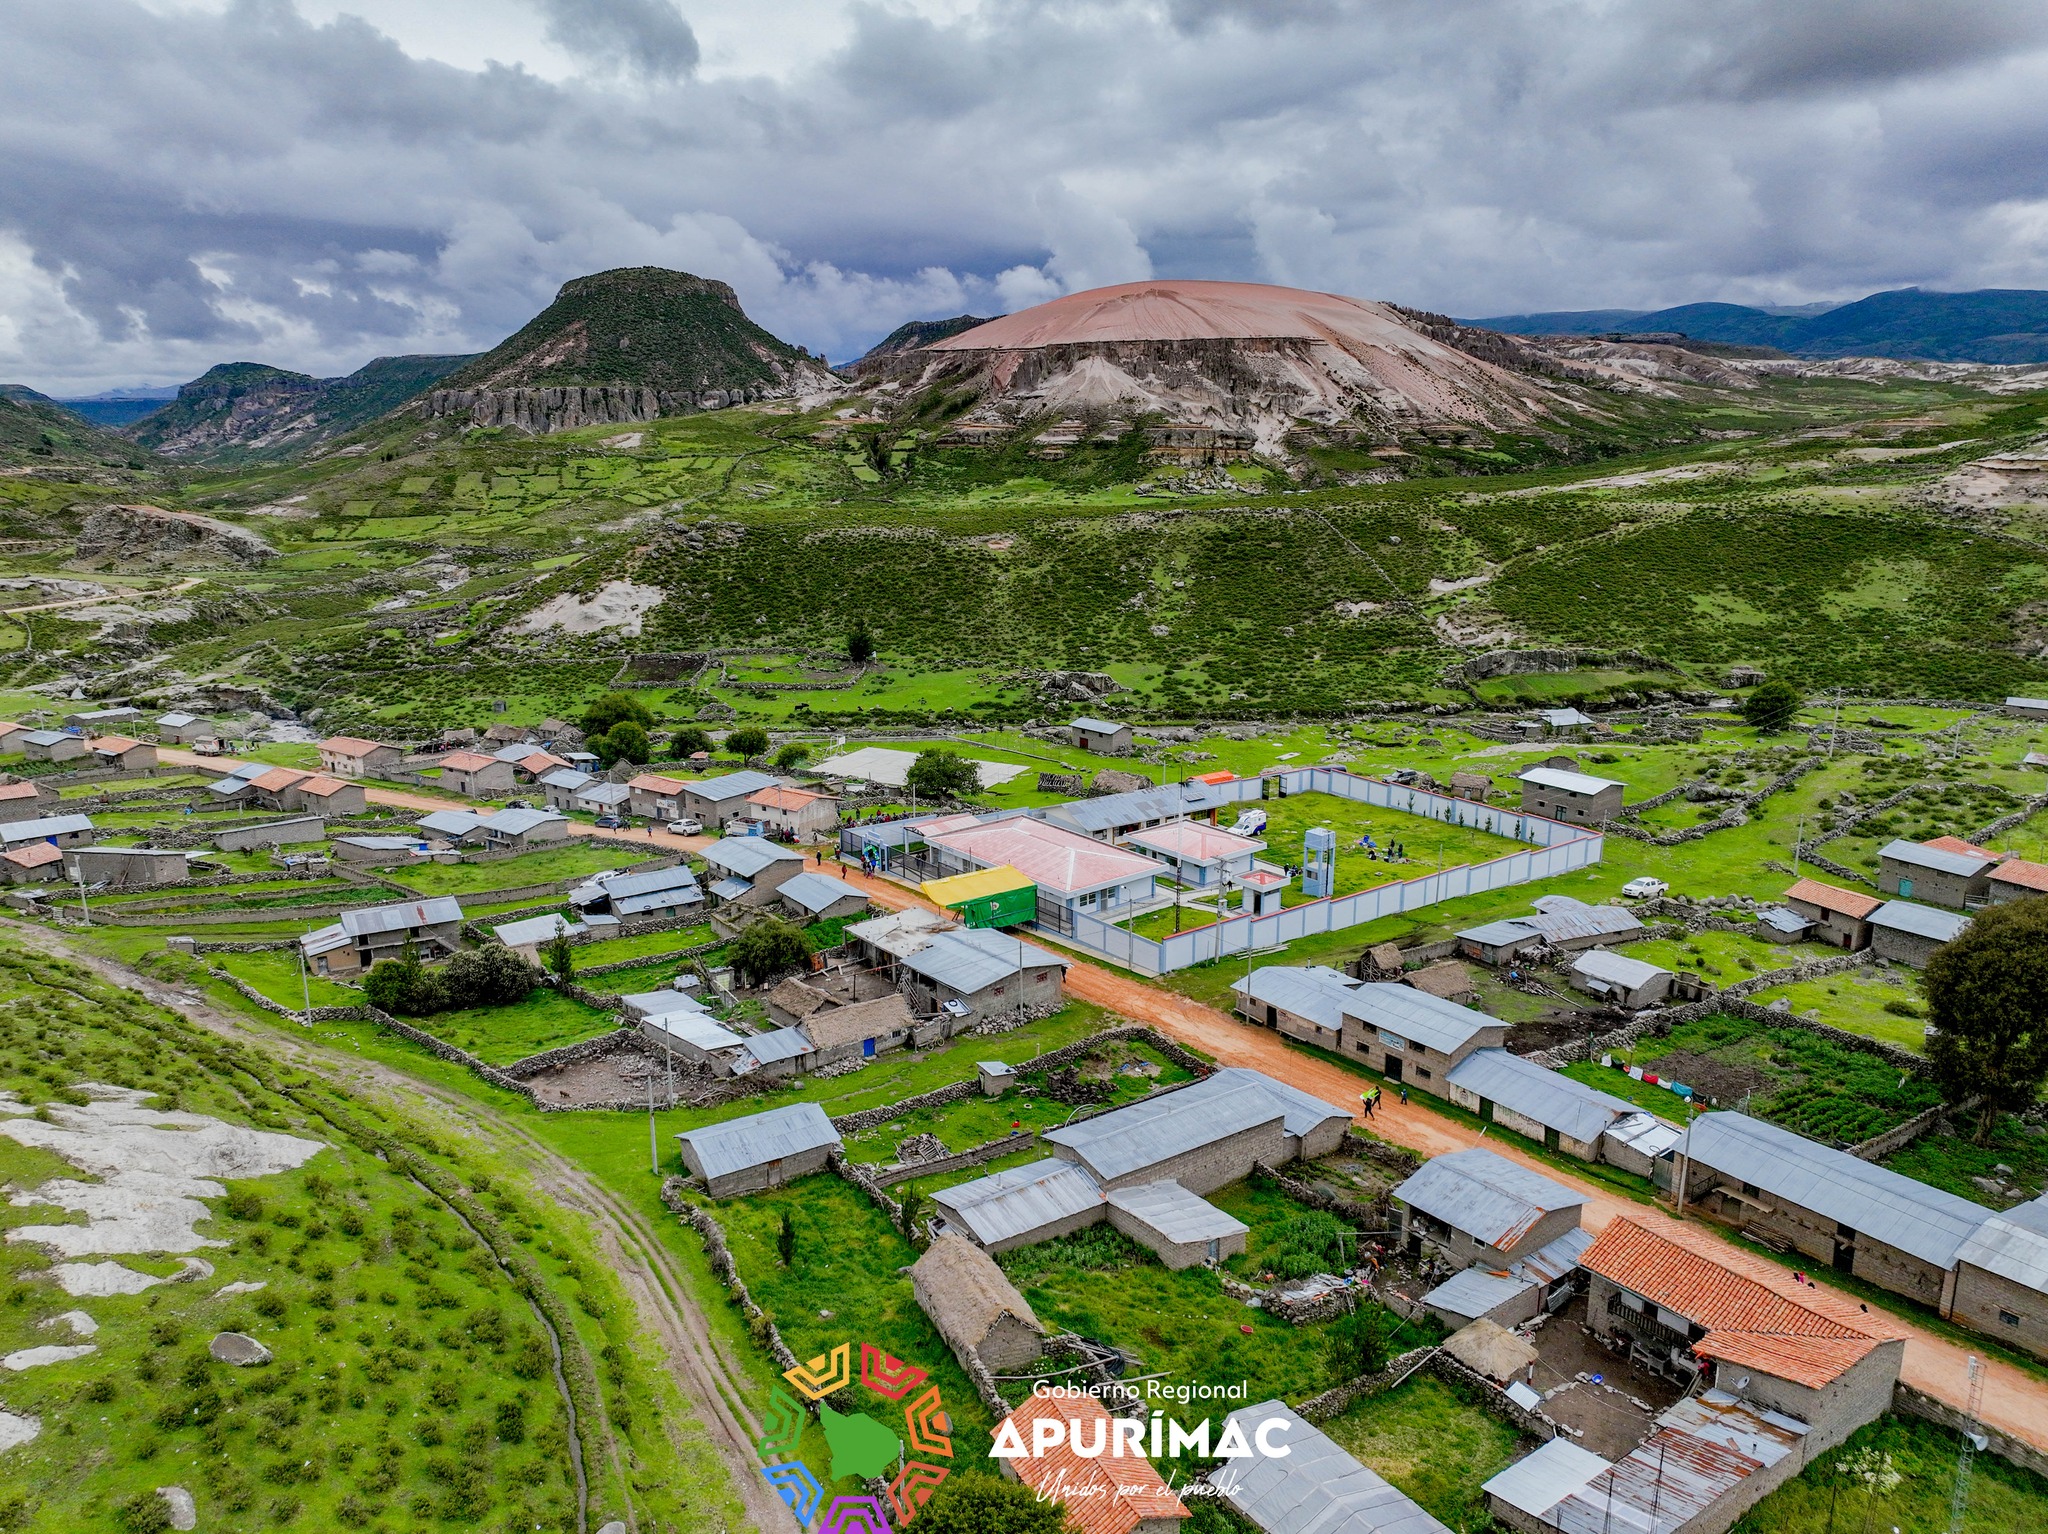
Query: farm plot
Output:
(501,1035)
(544,867)
(1433,1442)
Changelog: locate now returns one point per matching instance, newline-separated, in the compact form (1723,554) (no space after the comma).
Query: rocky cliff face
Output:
(242,411)
(541,411)
(149,537)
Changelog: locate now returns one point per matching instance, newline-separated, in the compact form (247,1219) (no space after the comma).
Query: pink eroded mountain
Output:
(1176,310)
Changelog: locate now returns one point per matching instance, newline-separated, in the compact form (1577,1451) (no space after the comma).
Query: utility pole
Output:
(305,983)
(653,1145)
(1966,1456)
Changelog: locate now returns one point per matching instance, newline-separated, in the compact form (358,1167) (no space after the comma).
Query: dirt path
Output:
(711,1381)
(2015,1402)
(108,600)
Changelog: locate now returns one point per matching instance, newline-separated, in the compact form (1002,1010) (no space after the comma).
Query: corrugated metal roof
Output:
(519,822)
(656,1003)
(1313,991)
(1616,968)
(1417,1015)
(780,1044)
(1157,1129)
(815,891)
(1561,919)
(665,899)
(1476,1292)
(1107,811)
(1538,1481)
(1564,716)
(2013,1245)
(1487,1196)
(536,929)
(1316,1488)
(1556,1102)
(1703,1448)
(567,777)
(760,1138)
(1301,1112)
(972,959)
(49,825)
(1645,1133)
(450,822)
(1568,782)
(1899,1211)
(1175,1213)
(1939,859)
(901,932)
(1779,919)
(1019,1200)
(1096,726)
(434,912)
(696,1028)
(746,856)
(602,794)
(1552,1262)
(623,886)
(731,785)
(1920,920)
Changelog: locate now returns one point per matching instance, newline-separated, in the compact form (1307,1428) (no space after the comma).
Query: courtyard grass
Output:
(1428,844)
(1861,1001)
(1434,1442)
(611,950)
(500,1035)
(277,975)
(544,867)
(2004,1498)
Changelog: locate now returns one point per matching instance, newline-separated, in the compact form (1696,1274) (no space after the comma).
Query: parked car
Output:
(686,828)
(1644,888)
(610,823)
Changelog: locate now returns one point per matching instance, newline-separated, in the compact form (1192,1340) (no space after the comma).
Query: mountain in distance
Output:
(245,411)
(2004,325)
(118,407)
(35,429)
(910,336)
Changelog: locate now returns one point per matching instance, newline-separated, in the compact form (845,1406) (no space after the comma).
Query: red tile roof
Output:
(780,798)
(320,786)
(468,761)
(1112,1494)
(1810,1340)
(1960,847)
(1829,898)
(277,778)
(117,744)
(655,783)
(35,855)
(18,791)
(349,745)
(2033,876)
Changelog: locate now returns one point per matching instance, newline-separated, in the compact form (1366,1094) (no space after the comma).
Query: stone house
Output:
(2017,879)
(1908,934)
(859,1030)
(761,1150)
(1447,980)
(1620,981)
(530,763)
(11,735)
(24,801)
(360,939)
(1110,1493)
(277,788)
(65,831)
(560,787)
(721,800)
(126,867)
(477,776)
(452,828)
(1474,786)
(980,972)
(1841,1212)
(350,756)
(1022,1205)
(2027,708)
(335,798)
(1304,1002)
(1547,1106)
(1839,916)
(748,870)
(520,830)
(1413,1038)
(646,896)
(1559,921)
(795,812)
(1476,1207)
(98,719)
(655,796)
(1185,1231)
(1204,1136)
(975,1308)
(2001,1278)
(1946,872)
(31,863)
(811,896)
(1105,737)
(1573,797)
(178,728)
(120,751)
(52,746)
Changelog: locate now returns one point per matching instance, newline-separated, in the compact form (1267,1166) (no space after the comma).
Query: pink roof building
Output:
(1078,870)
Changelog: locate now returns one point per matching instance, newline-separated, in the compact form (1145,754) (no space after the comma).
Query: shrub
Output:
(769,947)
(144,1513)
(748,742)
(490,976)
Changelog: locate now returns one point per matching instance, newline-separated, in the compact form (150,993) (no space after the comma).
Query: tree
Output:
(913,1213)
(559,955)
(490,976)
(860,644)
(942,774)
(769,947)
(792,756)
(749,741)
(1772,706)
(1362,1342)
(785,1240)
(628,742)
(612,708)
(1987,1011)
(688,741)
(404,985)
(967,1503)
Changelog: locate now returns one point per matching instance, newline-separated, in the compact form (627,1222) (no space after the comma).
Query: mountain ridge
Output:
(237,411)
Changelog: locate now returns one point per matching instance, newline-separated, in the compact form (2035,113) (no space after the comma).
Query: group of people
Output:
(1371,1100)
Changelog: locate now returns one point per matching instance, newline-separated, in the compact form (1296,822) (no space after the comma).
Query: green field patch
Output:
(397,527)
(1433,1441)
(2003,1497)
(543,867)
(501,1035)
(1879,1003)
(280,977)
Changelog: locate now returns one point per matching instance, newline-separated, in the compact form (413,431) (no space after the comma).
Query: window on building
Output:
(2007,1318)
(1422,1072)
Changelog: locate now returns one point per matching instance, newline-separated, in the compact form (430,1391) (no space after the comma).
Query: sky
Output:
(312,183)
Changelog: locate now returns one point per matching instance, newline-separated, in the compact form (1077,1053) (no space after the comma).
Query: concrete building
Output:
(62,831)
(721,800)
(2001,1278)
(1111,817)
(1075,873)
(1839,916)
(1619,980)
(2017,879)
(1565,1115)
(1315,1488)
(1475,1207)
(1559,922)
(178,728)
(350,756)
(761,1150)
(1185,1231)
(477,776)
(795,812)
(560,787)
(1022,1205)
(811,896)
(981,973)
(1574,797)
(656,796)
(1112,1493)
(123,752)
(1841,1212)
(451,828)
(975,1308)
(1197,854)
(1105,737)
(362,938)
(126,867)
(1413,1038)
(521,830)
(52,746)
(749,870)
(24,801)
(1946,872)
(597,797)
(1305,1002)
(1204,1136)
(1908,933)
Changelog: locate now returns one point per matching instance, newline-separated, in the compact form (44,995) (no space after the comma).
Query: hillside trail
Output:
(713,1383)
(108,600)
(2015,1402)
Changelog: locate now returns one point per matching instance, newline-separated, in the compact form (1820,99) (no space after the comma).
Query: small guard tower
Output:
(1319,863)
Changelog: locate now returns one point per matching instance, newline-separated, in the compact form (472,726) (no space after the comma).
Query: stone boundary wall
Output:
(1908,1401)
(267,945)
(860,1177)
(1491,1396)
(653,958)
(319,913)
(726,1270)
(1365,1216)
(1899,1136)
(1339,1399)
(624,1036)
(1737,813)
(974,1155)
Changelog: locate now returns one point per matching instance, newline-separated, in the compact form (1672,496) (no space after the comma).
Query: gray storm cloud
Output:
(185,186)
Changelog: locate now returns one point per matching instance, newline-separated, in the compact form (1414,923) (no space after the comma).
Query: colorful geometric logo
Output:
(861,1445)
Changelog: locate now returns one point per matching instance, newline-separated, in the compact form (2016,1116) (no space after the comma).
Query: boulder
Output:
(242,1351)
(184,1511)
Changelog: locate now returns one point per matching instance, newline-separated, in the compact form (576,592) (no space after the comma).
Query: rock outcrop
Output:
(241,411)
(151,537)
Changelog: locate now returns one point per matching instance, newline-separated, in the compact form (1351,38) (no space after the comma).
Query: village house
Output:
(1619,980)
(655,796)
(2001,1278)
(1112,817)
(24,801)
(1574,797)
(1074,872)
(1946,872)
(1110,1493)
(31,863)
(66,831)
(98,719)
(1839,916)
(519,830)
(2027,708)
(798,813)
(126,867)
(1105,737)
(362,938)
(1564,722)
(718,801)
(1896,1232)
(597,797)
(981,973)
(11,735)
(811,896)
(1547,1106)
(975,1308)
(1413,1038)
(1475,1207)
(1022,1205)
(648,896)
(451,828)
(689,1031)
(277,788)
(1197,854)
(1182,1230)
(477,776)
(1305,1002)
(760,1150)
(2017,879)
(1780,924)
(1473,786)
(120,751)
(350,756)
(372,849)
(750,869)
(1316,1486)
(530,763)
(52,746)
(1447,980)
(527,938)
(1559,922)
(559,788)
(1907,933)
(335,798)
(177,728)
(232,787)
(836,1031)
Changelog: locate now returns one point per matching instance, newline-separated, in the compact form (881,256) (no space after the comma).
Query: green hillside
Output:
(36,430)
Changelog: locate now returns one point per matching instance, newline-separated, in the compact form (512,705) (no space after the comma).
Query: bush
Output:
(748,742)
(984,1504)
(612,709)
(144,1513)
(941,774)
(688,741)
(624,742)
(490,976)
(769,947)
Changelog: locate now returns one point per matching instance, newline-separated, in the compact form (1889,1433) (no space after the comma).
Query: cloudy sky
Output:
(315,182)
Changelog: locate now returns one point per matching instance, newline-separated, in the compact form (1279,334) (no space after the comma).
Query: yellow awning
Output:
(964,887)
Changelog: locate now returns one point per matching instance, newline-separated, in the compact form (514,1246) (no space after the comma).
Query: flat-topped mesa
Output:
(1232,356)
